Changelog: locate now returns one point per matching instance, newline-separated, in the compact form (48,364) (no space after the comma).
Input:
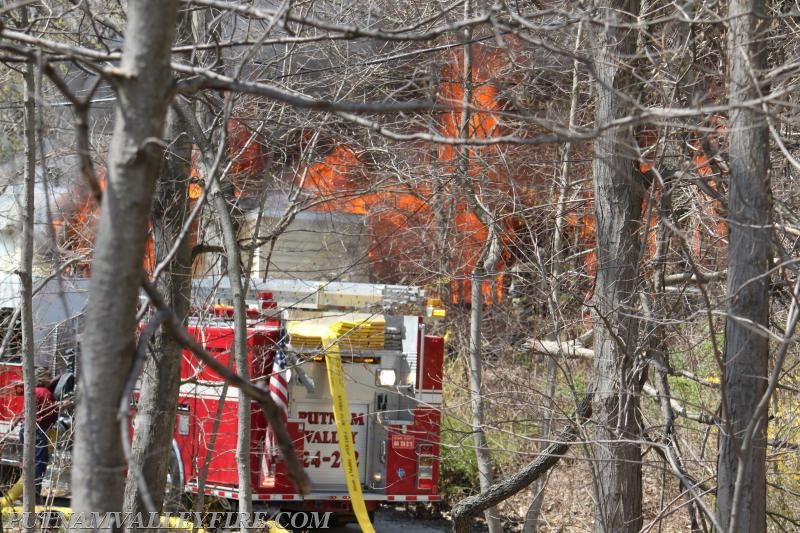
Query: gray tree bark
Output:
(741,492)
(158,400)
(243,440)
(25,273)
(155,421)
(143,93)
(619,191)
(490,254)
(483,458)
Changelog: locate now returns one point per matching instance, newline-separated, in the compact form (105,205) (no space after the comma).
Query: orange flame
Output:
(77,222)
(484,122)
(399,220)
(195,191)
(703,166)
(249,159)
(149,254)
(334,178)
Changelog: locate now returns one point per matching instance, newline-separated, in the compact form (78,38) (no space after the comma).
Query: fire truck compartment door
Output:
(321,457)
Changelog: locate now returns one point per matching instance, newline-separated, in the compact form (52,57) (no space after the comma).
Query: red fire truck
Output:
(393,382)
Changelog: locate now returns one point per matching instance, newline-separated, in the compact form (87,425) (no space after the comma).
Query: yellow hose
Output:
(14,493)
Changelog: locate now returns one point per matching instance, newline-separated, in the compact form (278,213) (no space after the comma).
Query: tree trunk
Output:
(485,263)
(155,420)
(143,91)
(618,203)
(26,288)
(238,286)
(243,440)
(741,493)
(475,363)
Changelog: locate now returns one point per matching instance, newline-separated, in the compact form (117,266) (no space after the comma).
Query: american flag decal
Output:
(278,391)
(278,386)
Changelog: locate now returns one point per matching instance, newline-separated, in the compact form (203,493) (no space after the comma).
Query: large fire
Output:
(405,218)
(336,180)
(75,228)
(402,218)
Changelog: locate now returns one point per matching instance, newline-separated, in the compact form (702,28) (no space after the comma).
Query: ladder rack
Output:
(317,295)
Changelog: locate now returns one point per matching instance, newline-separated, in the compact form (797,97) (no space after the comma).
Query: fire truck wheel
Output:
(64,387)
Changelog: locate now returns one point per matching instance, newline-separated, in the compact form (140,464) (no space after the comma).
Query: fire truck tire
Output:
(64,387)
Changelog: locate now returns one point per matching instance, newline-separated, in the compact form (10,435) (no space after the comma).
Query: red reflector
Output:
(425,463)
(425,483)
(19,389)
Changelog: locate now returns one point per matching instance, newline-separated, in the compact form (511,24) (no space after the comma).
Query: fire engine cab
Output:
(392,380)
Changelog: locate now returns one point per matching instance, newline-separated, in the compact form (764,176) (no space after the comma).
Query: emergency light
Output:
(435,308)
(386,377)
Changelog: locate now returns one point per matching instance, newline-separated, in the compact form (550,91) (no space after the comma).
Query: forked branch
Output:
(502,490)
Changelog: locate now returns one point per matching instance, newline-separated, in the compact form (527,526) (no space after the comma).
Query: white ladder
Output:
(318,295)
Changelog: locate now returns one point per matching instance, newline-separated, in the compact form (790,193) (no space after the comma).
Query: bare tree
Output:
(485,263)
(619,191)
(26,292)
(133,164)
(234,273)
(151,450)
(151,456)
(741,486)
(656,67)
